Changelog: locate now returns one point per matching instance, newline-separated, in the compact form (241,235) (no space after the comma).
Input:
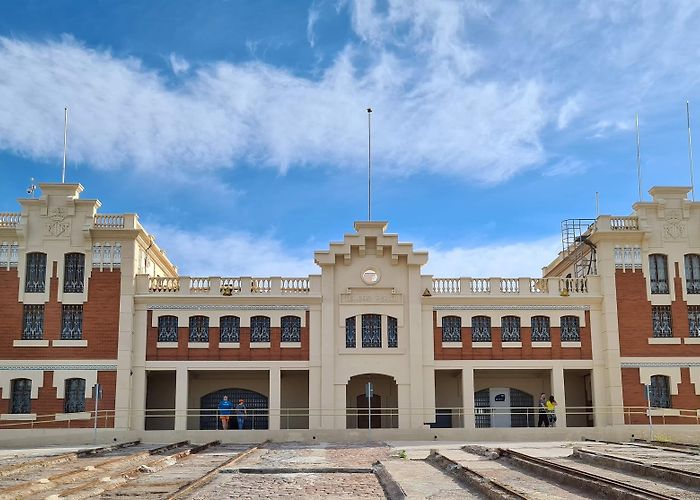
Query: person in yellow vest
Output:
(551,405)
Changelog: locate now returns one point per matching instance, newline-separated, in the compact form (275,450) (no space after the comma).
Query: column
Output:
(468,397)
(559,394)
(181,399)
(275,399)
(405,407)
(314,398)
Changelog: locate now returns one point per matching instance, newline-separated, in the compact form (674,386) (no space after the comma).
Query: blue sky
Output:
(237,130)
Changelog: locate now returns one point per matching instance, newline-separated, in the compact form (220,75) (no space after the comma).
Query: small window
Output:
(660,392)
(35,277)
(72,328)
(510,329)
(199,329)
(570,329)
(260,329)
(661,321)
(481,329)
(694,320)
(75,395)
(33,322)
(451,329)
(350,335)
(692,273)
(371,330)
(230,329)
(291,329)
(167,329)
(658,273)
(392,331)
(21,396)
(74,273)
(540,329)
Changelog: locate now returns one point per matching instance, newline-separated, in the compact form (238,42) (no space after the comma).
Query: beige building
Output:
(90,298)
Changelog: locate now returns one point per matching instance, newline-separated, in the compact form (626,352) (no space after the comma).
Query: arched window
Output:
(658,273)
(692,273)
(291,329)
(74,401)
(21,396)
(510,329)
(350,332)
(371,330)
(73,273)
(570,330)
(451,329)
(230,329)
(199,329)
(167,329)
(35,277)
(260,329)
(392,331)
(481,329)
(540,329)
(660,392)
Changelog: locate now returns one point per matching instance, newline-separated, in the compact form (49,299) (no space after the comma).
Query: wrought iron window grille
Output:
(260,329)
(75,395)
(371,330)
(72,328)
(658,273)
(570,329)
(33,322)
(510,329)
(392,330)
(35,277)
(21,396)
(451,329)
(291,329)
(74,273)
(230,329)
(660,392)
(350,332)
(167,329)
(692,273)
(540,329)
(694,320)
(481,329)
(199,329)
(661,321)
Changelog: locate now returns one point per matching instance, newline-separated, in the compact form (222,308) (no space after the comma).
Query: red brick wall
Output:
(244,353)
(525,352)
(634,317)
(633,399)
(11,311)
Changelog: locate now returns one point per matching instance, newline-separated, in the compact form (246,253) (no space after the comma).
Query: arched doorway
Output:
(256,408)
(499,407)
(384,402)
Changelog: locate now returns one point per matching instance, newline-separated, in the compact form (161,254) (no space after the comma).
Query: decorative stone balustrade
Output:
(9,219)
(109,221)
(624,223)
(227,287)
(513,286)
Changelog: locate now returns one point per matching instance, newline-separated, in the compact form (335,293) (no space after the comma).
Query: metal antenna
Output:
(65,143)
(369,164)
(690,151)
(597,205)
(639,164)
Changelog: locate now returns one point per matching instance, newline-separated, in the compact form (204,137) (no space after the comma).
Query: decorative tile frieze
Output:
(491,307)
(659,364)
(223,307)
(58,367)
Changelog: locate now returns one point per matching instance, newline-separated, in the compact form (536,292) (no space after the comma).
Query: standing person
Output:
(551,405)
(240,411)
(225,410)
(543,418)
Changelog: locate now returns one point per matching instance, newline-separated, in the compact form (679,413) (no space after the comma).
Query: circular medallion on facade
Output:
(370,276)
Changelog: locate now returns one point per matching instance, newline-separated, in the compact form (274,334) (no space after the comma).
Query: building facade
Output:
(611,329)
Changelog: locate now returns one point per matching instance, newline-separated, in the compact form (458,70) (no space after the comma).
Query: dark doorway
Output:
(256,408)
(363,412)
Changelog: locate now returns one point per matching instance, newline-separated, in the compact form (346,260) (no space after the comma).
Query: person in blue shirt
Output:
(240,412)
(225,410)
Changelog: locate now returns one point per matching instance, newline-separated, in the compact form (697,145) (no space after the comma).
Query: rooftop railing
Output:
(512,286)
(231,286)
(9,219)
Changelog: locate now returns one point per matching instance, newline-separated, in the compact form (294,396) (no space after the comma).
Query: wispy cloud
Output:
(179,64)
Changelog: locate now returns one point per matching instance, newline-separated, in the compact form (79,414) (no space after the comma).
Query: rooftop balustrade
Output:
(514,286)
(9,219)
(228,287)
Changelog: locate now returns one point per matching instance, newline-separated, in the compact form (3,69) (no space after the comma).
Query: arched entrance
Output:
(256,408)
(384,402)
(503,407)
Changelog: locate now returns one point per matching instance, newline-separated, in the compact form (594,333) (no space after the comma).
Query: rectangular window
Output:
(694,320)
(692,273)
(658,273)
(74,273)
(259,329)
(371,330)
(481,329)
(392,330)
(21,396)
(230,329)
(75,395)
(570,329)
(72,328)
(199,329)
(33,322)
(350,334)
(661,321)
(291,329)
(35,277)
(660,392)
(167,329)
(510,329)
(540,329)
(451,329)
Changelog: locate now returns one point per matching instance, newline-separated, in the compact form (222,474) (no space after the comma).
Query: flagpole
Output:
(639,165)
(690,151)
(369,164)
(65,143)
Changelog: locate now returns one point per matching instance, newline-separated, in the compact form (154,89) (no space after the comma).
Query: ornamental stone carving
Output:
(674,227)
(57,225)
